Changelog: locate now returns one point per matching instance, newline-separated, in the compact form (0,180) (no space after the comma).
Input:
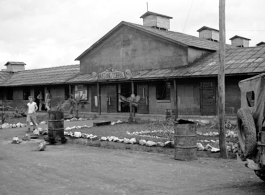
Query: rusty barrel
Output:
(56,127)
(185,140)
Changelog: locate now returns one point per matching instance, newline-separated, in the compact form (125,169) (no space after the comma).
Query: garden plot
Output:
(149,134)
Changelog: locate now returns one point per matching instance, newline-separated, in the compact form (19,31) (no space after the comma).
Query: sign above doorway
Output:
(112,74)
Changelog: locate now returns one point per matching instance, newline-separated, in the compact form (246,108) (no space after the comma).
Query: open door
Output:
(94,101)
(143,104)
(37,91)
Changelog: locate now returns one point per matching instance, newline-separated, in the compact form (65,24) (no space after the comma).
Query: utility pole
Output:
(221,81)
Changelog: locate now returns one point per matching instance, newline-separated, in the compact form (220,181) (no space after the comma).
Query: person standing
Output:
(31,116)
(48,100)
(40,98)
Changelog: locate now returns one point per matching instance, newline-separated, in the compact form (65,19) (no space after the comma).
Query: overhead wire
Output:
(188,15)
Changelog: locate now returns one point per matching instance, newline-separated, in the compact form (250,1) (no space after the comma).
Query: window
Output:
(26,93)
(81,92)
(250,98)
(163,91)
(9,93)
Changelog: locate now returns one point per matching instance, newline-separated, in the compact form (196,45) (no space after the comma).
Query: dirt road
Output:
(74,169)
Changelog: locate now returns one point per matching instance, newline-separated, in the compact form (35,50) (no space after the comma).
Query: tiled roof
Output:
(249,60)
(4,75)
(176,37)
(47,76)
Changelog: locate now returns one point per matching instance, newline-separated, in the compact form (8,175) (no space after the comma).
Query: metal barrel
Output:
(185,141)
(56,127)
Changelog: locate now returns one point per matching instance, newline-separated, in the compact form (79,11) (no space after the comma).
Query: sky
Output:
(46,33)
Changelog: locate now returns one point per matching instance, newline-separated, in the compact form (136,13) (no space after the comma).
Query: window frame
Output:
(25,97)
(9,90)
(163,87)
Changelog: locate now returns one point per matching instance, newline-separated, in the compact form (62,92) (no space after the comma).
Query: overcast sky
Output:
(45,33)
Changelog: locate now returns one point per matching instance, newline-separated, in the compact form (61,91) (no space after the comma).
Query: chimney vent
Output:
(261,44)
(156,20)
(209,33)
(15,66)
(239,41)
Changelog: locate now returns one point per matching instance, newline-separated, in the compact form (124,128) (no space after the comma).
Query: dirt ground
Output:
(75,169)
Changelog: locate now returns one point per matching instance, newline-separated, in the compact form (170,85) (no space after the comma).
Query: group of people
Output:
(32,108)
(47,100)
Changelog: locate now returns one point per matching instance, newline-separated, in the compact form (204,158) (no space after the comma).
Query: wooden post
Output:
(132,107)
(221,81)
(176,99)
(70,91)
(99,99)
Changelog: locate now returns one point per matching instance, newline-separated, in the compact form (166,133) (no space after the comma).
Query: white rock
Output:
(161,144)
(200,146)
(113,123)
(103,138)
(36,132)
(119,121)
(215,150)
(77,134)
(42,146)
(150,143)
(132,141)
(126,141)
(115,139)
(208,147)
(142,142)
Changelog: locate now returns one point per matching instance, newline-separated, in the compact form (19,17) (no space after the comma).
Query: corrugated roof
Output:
(176,37)
(206,28)
(14,63)
(4,75)
(236,36)
(249,60)
(48,76)
(182,38)
(153,13)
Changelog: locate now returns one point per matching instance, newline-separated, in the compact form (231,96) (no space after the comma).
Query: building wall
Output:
(232,94)
(159,106)
(132,49)
(194,54)
(188,96)
(149,20)
(15,68)
(163,22)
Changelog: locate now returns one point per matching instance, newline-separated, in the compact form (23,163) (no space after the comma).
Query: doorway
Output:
(37,91)
(124,89)
(143,92)
(208,98)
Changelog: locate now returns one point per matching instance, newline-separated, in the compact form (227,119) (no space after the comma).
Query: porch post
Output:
(99,99)
(131,107)
(176,99)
